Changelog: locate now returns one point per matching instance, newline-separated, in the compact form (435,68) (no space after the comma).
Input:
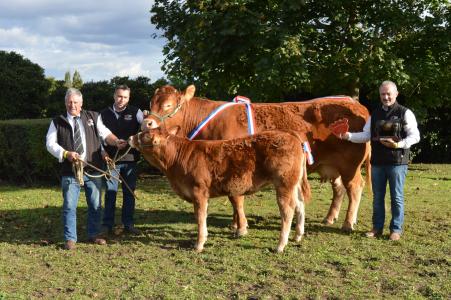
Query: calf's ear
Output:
(174,130)
(189,93)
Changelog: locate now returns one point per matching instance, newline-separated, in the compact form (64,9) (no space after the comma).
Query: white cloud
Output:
(100,39)
(16,36)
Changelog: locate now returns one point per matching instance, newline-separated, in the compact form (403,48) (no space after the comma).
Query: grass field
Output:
(160,263)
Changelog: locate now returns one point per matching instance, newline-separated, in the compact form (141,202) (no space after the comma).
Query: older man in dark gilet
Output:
(392,130)
(72,137)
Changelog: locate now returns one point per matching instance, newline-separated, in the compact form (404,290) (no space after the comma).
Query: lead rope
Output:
(111,166)
(77,168)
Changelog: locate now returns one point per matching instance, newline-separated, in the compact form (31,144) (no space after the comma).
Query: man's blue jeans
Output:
(71,193)
(128,173)
(395,175)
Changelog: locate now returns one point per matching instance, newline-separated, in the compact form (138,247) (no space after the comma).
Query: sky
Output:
(99,38)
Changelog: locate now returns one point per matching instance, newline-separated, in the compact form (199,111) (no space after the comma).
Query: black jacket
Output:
(123,127)
(93,142)
(388,123)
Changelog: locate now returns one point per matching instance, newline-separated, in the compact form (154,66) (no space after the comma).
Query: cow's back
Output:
(331,155)
(242,166)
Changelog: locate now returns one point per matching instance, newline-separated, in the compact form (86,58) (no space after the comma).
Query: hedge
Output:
(23,156)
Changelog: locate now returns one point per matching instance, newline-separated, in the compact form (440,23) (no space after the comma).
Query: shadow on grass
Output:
(44,225)
(167,229)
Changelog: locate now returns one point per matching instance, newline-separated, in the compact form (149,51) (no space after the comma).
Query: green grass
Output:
(160,263)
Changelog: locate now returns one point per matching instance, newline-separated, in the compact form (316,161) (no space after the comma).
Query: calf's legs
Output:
(287,205)
(200,212)
(300,218)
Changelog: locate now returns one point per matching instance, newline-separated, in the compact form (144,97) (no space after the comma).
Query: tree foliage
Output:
(77,82)
(23,87)
(67,80)
(98,95)
(273,50)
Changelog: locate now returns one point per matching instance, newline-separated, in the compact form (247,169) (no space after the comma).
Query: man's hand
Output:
(342,136)
(121,144)
(106,158)
(72,156)
(389,142)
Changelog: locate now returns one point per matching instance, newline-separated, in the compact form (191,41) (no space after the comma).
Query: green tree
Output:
(270,50)
(77,82)
(67,80)
(23,87)
(97,95)
(55,100)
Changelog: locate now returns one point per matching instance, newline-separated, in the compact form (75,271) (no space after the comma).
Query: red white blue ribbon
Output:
(306,147)
(241,99)
(236,100)
(250,117)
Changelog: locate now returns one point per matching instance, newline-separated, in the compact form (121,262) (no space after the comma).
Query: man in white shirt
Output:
(392,130)
(76,135)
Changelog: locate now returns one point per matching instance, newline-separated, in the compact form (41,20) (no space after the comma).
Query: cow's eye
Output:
(167,106)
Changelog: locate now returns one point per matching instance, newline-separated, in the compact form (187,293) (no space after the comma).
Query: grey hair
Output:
(390,83)
(72,91)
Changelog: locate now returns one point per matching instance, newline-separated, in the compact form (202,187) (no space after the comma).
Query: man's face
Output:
(388,94)
(121,98)
(74,104)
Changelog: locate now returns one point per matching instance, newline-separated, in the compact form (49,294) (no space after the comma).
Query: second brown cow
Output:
(336,160)
(199,170)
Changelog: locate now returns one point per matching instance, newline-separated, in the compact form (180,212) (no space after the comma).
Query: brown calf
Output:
(199,170)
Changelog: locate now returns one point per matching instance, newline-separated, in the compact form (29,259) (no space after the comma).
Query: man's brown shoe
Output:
(69,245)
(373,233)
(394,236)
(97,241)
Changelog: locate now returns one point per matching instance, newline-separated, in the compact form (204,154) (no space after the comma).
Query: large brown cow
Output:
(199,170)
(335,160)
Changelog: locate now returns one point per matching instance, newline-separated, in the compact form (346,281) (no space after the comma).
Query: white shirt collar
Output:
(71,117)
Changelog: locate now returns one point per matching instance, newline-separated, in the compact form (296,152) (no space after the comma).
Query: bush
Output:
(23,156)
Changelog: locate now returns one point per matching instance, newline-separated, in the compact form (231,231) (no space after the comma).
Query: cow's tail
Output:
(303,183)
(368,171)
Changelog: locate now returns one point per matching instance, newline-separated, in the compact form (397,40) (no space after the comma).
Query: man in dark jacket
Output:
(76,136)
(392,129)
(123,120)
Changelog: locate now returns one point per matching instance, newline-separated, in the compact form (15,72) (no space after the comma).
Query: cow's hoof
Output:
(198,249)
(347,227)
(279,249)
(326,221)
(241,232)
(298,238)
